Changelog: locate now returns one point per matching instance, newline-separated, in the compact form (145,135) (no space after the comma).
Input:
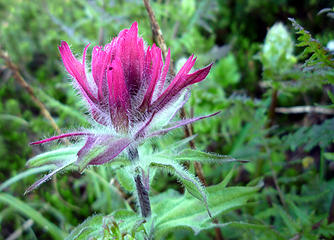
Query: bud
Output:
(277,53)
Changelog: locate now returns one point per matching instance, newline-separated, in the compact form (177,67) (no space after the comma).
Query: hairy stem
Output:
(144,200)
(142,190)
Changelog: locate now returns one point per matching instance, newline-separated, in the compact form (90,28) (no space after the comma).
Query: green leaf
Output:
(173,210)
(54,157)
(190,182)
(105,183)
(227,179)
(114,226)
(87,158)
(125,179)
(331,96)
(291,224)
(90,226)
(193,155)
(29,212)
(320,56)
(12,118)
(175,146)
(328,155)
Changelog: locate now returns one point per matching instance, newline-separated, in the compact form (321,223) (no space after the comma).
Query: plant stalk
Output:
(142,188)
(144,200)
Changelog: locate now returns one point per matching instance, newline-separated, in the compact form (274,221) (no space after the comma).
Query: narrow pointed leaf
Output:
(190,182)
(205,157)
(53,157)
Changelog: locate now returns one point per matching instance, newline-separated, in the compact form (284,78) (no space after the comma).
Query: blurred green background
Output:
(291,153)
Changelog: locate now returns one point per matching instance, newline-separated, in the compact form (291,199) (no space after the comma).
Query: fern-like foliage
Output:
(309,137)
(321,59)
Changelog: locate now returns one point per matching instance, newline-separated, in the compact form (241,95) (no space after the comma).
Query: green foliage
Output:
(33,214)
(309,137)
(319,56)
(226,71)
(291,153)
(172,213)
(171,210)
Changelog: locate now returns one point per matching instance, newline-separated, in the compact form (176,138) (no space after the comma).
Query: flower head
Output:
(129,92)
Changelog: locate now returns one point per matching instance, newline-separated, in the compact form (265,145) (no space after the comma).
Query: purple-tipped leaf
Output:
(60,137)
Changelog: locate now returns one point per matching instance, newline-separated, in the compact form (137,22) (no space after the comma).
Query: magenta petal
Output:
(113,150)
(100,61)
(156,67)
(60,136)
(180,124)
(130,50)
(119,97)
(176,86)
(197,76)
(76,69)
(183,71)
(162,80)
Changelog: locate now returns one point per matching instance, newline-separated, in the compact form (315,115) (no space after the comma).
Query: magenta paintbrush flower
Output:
(129,93)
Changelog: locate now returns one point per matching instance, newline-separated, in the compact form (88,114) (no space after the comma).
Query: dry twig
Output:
(29,89)
(304,109)
(18,232)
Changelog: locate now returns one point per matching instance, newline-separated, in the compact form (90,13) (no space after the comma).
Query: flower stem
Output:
(144,200)
(142,188)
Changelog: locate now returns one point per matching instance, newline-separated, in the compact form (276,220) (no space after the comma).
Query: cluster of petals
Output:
(130,94)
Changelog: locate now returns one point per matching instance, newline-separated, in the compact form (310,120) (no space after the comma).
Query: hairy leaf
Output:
(125,179)
(91,226)
(54,156)
(190,182)
(173,210)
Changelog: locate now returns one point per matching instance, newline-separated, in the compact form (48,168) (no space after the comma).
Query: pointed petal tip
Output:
(63,44)
(214,114)
(134,24)
(210,65)
(29,190)
(134,27)
(65,135)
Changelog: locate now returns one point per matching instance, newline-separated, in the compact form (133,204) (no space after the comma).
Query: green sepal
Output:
(54,156)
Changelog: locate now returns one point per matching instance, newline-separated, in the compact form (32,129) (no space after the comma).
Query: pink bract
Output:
(129,92)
